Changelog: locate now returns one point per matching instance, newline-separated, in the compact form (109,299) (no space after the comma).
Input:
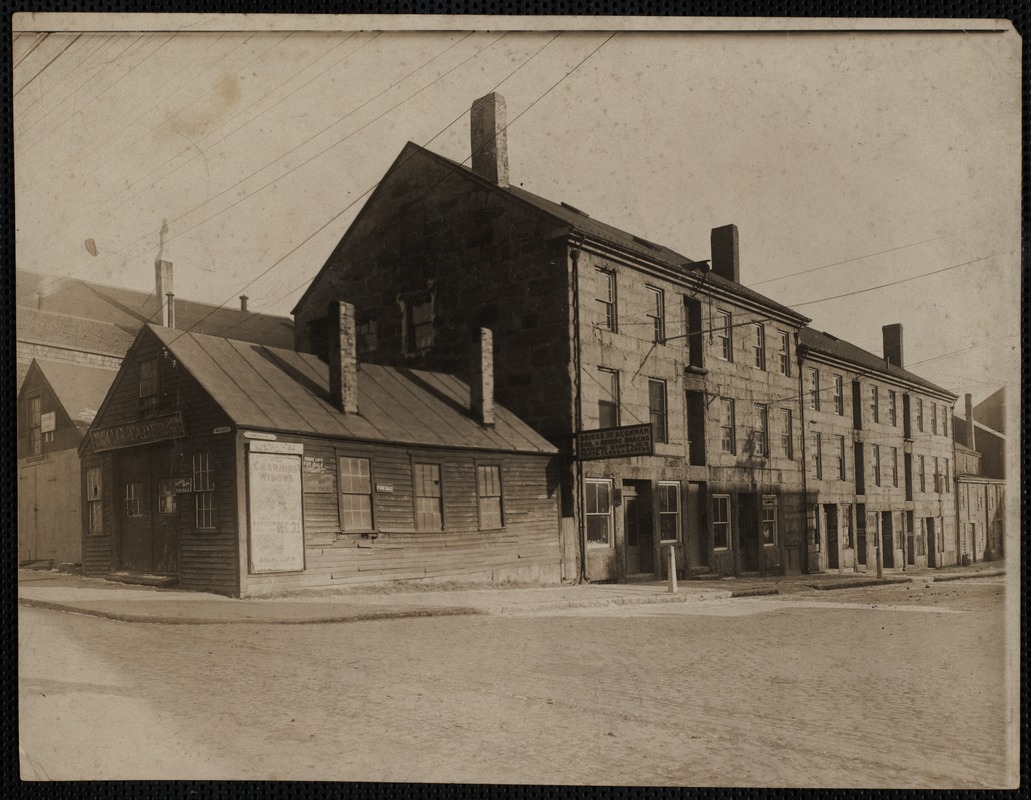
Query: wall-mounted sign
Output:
(274,501)
(143,431)
(385,488)
(183,485)
(268,437)
(317,477)
(221,429)
(48,422)
(630,440)
(293,448)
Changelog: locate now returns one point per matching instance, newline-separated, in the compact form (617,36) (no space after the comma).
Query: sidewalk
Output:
(128,603)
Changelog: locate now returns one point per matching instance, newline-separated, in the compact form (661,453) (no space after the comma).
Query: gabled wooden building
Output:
(245,470)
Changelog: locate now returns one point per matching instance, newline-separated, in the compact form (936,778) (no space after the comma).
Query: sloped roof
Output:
(823,342)
(98,318)
(81,389)
(279,389)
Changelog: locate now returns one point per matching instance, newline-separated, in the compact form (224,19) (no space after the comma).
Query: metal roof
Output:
(823,342)
(278,389)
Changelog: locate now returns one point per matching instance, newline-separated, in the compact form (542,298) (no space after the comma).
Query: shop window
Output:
(657,410)
(762,430)
(759,346)
(355,478)
(669,511)
(598,502)
(488,491)
(203,491)
(35,426)
(95,498)
(728,438)
(769,520)
(812,517)
(813,389)
(134,499)
(607,299)
(839,395)
(608,398)
(148,369)
(166,495)
(787,434)
(721,521)
(724,332)
(429,497)
(657,314)
(784,353)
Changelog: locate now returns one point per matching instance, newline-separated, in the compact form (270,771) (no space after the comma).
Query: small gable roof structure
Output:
(80,389)
(278,389)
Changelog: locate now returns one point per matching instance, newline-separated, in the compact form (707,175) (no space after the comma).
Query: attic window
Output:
(418,312)
(149,383)
(368,337)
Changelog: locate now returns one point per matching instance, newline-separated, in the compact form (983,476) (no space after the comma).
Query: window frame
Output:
(727,405)
(609,514)
(920,414)
(934,419)
(816,440)
(762,430)
(923,473)
(895,467)
(613,392)
(893,408)
(759,347)
(784,353)
(371,494)
(676,489)
(149,385)
(813,388)
(839,394)
(203,491)
(416,496)
(774,509)
(875,403)
(133,499)
(725,334)
(610,313)
(842,475)
(659,434)
(717,500)
(876,465)
(658,314)
(787,436)
(481,496)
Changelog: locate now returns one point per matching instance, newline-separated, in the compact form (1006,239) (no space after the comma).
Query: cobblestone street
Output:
(894,686)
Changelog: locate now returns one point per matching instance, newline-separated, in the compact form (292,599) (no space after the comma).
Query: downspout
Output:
(578,416)
(800,352)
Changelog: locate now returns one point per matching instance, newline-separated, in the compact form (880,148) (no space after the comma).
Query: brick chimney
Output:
(164,292)
(968,401)
(726,261)
(481,382)
(343,358)
(243,302)
(892,336)
(487,121)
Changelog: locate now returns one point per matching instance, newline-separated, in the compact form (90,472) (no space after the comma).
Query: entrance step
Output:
(144,579)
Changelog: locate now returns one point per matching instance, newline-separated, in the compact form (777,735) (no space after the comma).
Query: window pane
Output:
(356,512)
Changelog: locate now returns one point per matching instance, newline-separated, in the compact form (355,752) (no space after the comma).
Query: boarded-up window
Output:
(355,494)
(94,499)
(204,491)
(429,499)
(488,490)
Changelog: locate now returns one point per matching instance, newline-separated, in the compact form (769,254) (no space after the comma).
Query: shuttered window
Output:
(429,498)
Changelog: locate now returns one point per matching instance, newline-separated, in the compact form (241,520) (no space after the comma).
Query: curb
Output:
(362,616)
(992,573)
(614,602)
(827,587)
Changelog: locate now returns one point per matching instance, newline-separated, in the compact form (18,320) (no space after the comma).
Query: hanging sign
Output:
(221,429)
(274,500)
(630,440)
(143,431)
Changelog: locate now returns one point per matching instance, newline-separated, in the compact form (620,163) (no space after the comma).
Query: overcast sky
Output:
(848,161)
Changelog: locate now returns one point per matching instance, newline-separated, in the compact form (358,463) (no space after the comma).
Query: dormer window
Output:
(149,383)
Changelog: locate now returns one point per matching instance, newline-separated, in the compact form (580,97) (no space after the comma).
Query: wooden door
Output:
(637,528)
(133,508)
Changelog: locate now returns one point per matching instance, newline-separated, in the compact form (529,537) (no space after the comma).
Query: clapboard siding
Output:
(96,547)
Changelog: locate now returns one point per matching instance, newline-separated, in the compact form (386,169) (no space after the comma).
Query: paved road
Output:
(894,686)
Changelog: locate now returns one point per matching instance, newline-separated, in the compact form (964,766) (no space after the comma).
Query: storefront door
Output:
(749,548)
(831,519)
(148,539)
(637,527)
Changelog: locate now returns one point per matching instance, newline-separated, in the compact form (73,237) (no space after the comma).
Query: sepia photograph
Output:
(577,401)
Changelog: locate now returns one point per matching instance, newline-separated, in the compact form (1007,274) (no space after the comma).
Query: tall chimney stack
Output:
(726,260)
(481,383)
(487,122)
(163,290)
(968,401)
(892,336)
(343,358)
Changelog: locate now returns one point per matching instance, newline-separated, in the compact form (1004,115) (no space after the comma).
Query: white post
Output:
(672,570)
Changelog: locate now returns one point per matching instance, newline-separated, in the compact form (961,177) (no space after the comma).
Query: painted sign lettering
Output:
(630,440)
(274,500)
(142,431)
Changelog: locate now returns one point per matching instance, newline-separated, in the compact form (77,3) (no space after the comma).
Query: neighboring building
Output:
(71,338)
(980,486)
(991,412)
(879,458)
(242,469)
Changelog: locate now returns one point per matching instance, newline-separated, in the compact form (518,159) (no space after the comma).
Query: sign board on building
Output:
(630,440)
(221,429)
(144,431)
(292,448)
(268,437)
(183,485)
(274,503)
(385,488)
(317,478)
(48,422)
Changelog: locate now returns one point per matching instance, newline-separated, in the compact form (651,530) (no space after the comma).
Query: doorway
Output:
(147,509)
(697,534)
(932,543)
(749,543)
(637,527)
(831,520)
(887,540)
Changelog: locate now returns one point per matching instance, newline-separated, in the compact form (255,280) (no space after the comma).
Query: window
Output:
(419,321)
(875,412)
(877,465)
(723,332)
(727,438)
(840,447)
(786,437)
(759,346)
(783,353)
(848,538)
(817,448)
(920,414)
(355,494)
(762,430)
(598,499)
(657,315)
(813,389)
(429,499)
(839,396)
(721,521)
(937,476)
(488,492)
(134,499)
(945,420)
(35,426)
(166,496)
(203,491)
(368,337)
(669,511)
(608,398)
(94,498)
(948,487)
(607,299)
(934,418)
(148,382)
(894,466)
(893,408)
(695,343)
(657,410)
(768,530)
(923,474)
